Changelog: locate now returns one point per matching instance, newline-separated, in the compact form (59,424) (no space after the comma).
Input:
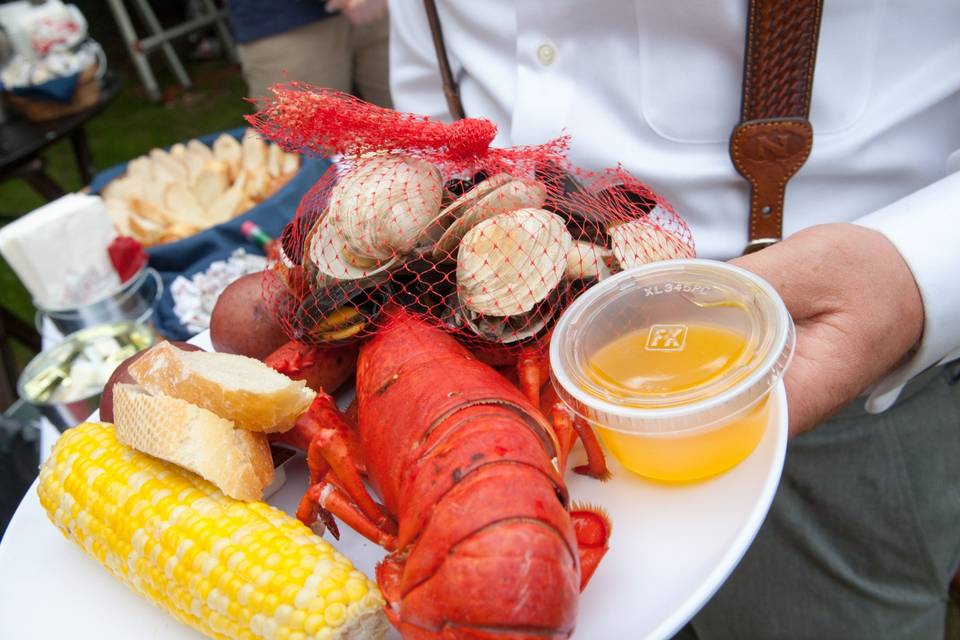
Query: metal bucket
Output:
(133,300)
(65,412)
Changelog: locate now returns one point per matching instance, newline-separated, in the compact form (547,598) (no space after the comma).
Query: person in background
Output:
(341,44)
(863,537)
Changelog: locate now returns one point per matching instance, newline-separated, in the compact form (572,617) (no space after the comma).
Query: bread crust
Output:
(253,405)
(238,462)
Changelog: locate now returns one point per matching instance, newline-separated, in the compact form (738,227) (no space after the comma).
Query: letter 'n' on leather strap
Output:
(774,136)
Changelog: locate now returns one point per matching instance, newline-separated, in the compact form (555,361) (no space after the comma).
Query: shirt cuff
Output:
(923,227)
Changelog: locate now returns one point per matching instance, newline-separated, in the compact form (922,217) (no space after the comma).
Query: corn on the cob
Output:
(228,568)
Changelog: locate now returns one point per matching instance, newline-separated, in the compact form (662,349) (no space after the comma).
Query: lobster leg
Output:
(531,376)
(334,443)
(325,498)
(531,373)
(324,433)
(596,462)
(563,427)
(334,448)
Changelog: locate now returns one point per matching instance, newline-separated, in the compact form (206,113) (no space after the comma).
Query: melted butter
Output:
(666,359)
(649,368)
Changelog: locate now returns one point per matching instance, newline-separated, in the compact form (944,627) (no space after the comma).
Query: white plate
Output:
(672,547)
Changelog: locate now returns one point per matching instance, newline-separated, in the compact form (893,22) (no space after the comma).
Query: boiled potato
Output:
(241,321)
(122,374)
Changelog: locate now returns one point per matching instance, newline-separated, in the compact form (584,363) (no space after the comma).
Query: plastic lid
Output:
(671,346)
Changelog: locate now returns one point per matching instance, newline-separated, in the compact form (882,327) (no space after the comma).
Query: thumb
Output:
(789,274)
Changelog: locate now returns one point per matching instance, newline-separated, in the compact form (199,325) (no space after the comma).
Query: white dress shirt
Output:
(655,85)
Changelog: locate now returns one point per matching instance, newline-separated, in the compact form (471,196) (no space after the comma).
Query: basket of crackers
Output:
(170,194)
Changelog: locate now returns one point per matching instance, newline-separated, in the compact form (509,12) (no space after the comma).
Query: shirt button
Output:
(546,54)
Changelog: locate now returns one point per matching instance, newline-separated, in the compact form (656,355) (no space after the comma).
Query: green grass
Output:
(129,127)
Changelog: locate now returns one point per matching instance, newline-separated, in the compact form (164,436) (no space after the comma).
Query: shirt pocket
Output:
(691,66)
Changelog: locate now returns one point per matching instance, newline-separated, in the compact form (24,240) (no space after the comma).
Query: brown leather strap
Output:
(450,89)
(774,136)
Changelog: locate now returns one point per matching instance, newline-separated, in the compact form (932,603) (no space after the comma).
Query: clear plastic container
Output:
(673,364)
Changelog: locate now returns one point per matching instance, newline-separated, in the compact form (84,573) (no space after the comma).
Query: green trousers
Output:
(863,536)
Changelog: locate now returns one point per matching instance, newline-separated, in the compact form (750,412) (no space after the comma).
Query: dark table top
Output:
(21,139)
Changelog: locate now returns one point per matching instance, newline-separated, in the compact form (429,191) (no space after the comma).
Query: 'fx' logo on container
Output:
(666,337)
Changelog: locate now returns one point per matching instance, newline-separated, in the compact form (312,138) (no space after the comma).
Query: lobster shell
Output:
(469,468)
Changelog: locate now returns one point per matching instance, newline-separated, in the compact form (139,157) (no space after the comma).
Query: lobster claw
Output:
(292,359)
(323,368)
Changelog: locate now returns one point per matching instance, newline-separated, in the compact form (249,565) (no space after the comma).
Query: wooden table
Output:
(22,142)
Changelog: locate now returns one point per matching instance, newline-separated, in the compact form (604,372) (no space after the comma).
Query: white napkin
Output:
(59,251)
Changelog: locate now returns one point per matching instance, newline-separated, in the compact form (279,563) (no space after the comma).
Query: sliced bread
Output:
(238,462)
(237,388)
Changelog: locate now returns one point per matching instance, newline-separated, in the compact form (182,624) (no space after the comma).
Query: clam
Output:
(501,198)
(456,209)
(293,238)
(642,240)
(587,260)
(510,262)
(328,252)
(424,286)
(505,330)
(456,187)
(382,204)
(481,189)
(339,312)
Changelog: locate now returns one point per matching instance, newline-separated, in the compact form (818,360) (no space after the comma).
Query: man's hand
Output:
(359,12)
(857,309)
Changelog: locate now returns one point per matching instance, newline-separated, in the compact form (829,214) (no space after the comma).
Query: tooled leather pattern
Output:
(782,48)
(774,137)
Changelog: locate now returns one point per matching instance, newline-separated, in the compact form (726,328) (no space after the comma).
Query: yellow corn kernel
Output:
(230,569)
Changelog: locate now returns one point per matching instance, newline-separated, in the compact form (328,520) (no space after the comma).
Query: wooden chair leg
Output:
(33,171)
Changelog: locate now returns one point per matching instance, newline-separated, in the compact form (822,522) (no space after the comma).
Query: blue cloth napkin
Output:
(57,90)
(194,254)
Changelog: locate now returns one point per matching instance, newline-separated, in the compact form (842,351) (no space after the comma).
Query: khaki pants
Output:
(863,536)
(329,53)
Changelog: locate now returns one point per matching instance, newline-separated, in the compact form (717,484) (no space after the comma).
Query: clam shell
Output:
(282,257)
(455,209)
(382,204)
(516,194)
(641,241)
(588,260)
(325,252)
(515,328)
(424,286)
(509,263)
(340,312)
(306,260)
(500,329)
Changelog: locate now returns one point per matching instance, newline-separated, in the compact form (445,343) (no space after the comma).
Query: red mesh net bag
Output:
(490,244)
